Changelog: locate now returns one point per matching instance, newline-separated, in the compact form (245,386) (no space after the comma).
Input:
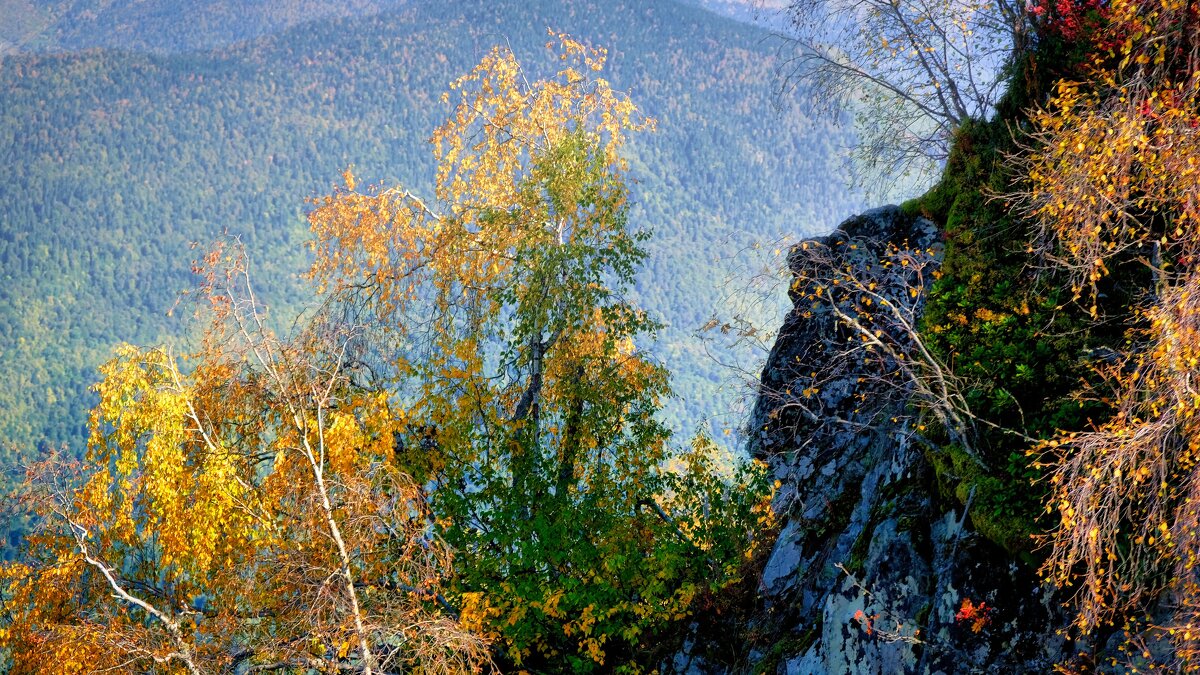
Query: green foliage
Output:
(604,585)
(998,509)
(1007,329)
(163,26)
(580,533)
(459,450)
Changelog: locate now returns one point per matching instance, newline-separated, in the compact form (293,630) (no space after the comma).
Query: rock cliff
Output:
(872,567)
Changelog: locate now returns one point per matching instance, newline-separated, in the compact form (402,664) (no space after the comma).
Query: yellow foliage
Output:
(243,497)
(1113,169)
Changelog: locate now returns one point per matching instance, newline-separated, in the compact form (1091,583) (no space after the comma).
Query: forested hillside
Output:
(169,27)
(118,160)
(160,26)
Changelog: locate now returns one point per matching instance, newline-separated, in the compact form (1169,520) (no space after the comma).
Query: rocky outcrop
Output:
(871,568)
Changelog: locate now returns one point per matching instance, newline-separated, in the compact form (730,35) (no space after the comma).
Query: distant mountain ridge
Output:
(168,26)
(119,160)
(164,26)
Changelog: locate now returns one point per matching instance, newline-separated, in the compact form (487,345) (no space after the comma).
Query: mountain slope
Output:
(161,25)
(166,26)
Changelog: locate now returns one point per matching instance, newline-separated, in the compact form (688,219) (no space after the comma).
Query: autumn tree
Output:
(239,508)
(497,320)
(912,71)
(1112,167)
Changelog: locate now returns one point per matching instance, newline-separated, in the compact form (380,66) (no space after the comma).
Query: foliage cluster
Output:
(1006,330)
(1066,302)
(1112,166)
(245,514)
(1058,346)
(978,616)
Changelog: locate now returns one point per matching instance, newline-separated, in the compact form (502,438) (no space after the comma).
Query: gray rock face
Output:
(870,567)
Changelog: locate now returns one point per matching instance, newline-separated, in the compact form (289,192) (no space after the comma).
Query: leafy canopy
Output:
(503,332)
